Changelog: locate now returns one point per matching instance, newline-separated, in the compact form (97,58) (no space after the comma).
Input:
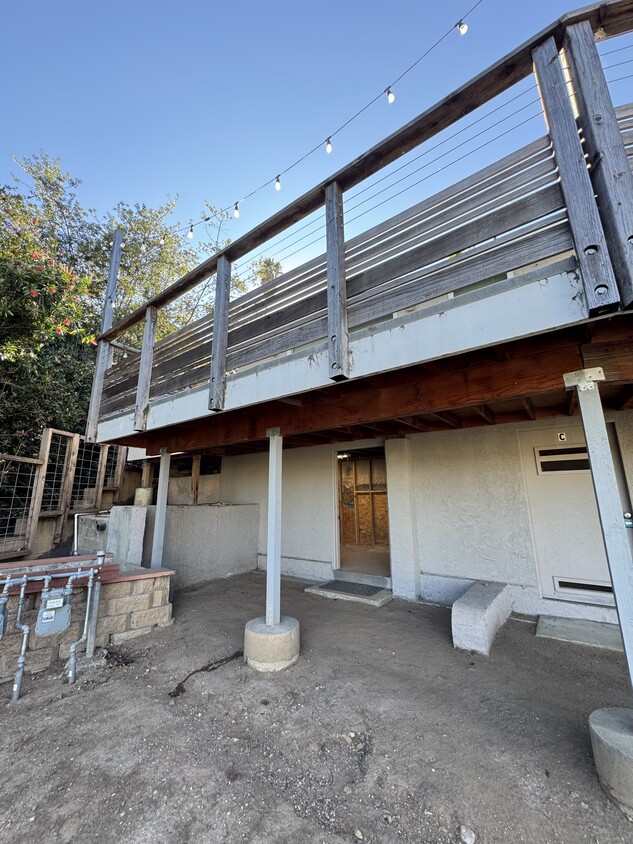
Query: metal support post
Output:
(610,508)
(273,559)
(161,510)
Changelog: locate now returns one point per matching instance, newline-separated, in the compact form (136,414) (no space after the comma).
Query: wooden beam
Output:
(145,369)
(616,359)
(485,413)
(627,402)
(610,171)
(195,478)
(450,418)
(601,291)
(572,404)
(147,474)
(217,378)
(514,378)
(338,334)
(529,408)
(612,18)
(101,467)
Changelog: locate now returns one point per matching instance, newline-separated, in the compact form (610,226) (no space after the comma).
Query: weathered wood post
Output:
(590,244)
(338,333)
(610,171)
(104,357)
(217,378)
(145,369)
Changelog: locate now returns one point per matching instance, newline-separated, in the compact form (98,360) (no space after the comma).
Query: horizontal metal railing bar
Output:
(613,18)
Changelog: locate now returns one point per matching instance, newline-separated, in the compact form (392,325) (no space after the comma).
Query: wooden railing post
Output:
(590,244)
(66,491)
(217,378)
(38,489)
(145,369)
(610,171)
(104,356)
(338,335)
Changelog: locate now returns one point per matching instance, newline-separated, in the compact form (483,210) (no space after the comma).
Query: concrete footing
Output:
(478,614)
(612,742)
(271,648)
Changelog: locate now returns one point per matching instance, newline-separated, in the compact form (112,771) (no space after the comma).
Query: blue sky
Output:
(206,100)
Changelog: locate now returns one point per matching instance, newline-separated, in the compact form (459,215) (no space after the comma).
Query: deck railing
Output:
(535,203)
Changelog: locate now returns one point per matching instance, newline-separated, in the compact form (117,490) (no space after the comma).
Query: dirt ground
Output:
(381,732)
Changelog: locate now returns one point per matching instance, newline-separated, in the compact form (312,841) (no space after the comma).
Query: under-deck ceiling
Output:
(512,382)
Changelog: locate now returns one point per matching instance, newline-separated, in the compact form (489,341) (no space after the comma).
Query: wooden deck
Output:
(530,209)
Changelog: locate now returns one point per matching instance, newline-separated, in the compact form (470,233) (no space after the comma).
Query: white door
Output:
(570,556)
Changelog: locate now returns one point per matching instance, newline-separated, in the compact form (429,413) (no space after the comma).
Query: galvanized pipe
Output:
(94,618)
(72,662)
(26,632)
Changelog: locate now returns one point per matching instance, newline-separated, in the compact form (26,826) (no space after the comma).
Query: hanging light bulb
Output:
(462,27)
(190,232)
(390,95)
(162,241)
(236,210)
(278,183)
(328,146)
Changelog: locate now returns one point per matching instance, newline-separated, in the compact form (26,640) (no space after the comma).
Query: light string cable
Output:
(388,91)
(392,181)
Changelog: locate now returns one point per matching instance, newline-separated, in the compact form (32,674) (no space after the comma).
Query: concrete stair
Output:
(361,577)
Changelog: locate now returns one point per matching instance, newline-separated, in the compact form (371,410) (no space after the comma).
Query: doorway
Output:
(570,556)
(363,512)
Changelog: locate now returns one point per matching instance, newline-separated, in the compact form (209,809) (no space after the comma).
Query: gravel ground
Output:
(381,732)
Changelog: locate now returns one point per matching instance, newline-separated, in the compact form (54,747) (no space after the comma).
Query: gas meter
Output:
(54,613)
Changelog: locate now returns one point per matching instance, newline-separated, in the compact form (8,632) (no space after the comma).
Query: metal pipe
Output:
(26,632)
(94,618)
(75,537)
(72,662)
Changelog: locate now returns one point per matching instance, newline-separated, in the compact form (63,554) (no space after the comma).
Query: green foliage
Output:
(54,259)
(51,388)
(39,297)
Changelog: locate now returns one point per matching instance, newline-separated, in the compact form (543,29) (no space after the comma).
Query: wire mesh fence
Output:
(84,489)
(69,477)
(17,480)
(56,467)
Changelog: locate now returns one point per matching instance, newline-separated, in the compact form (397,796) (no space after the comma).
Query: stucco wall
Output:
(201,543)
(308,526)
(471,506)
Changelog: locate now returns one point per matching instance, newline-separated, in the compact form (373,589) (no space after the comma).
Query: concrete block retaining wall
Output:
(128,608)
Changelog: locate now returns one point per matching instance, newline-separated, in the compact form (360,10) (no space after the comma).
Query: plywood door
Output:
(363,505)
(571,560)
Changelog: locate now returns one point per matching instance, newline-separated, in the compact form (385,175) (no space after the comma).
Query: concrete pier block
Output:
(612,742)
(271,648)
(478,615)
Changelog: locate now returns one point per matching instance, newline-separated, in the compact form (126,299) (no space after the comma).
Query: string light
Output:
(462,28)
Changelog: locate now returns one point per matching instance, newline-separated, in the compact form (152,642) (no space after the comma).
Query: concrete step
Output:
(478,614)
(361,577)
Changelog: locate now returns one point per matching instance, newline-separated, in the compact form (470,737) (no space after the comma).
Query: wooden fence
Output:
(69,476)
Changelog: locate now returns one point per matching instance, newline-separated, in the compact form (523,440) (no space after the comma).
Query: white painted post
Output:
(273,550)
(403,534)
(605,484)
(161,510)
